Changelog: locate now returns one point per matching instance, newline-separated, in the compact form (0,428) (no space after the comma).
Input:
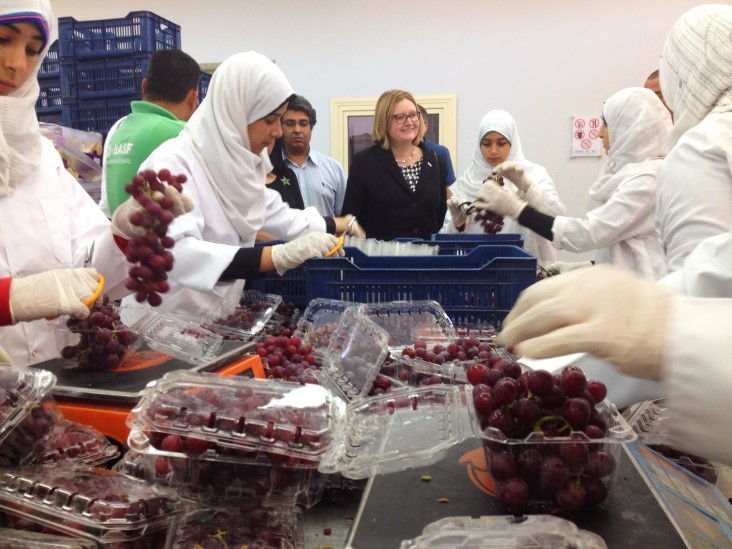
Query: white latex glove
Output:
(121,225)
(53,293)
(459,217)
(605,311)
(353,228)
(293,254)
(497,199)
(514,172)
(559,267)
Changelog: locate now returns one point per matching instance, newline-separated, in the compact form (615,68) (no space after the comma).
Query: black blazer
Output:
(379,196)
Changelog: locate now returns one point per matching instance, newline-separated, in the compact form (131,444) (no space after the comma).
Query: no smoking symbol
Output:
(586,143)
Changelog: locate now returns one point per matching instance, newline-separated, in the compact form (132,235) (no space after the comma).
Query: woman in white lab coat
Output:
(620,220)
(695,180)
(499,142)
(223,153)
(47,220)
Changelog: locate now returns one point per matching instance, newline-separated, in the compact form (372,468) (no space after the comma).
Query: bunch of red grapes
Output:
(104,339)
(492,222)
(286,357)
(572,473)
(150,253)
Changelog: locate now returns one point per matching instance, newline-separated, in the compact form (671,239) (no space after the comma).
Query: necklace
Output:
(414,150)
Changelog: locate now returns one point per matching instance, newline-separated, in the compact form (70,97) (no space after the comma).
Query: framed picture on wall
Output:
(351,118)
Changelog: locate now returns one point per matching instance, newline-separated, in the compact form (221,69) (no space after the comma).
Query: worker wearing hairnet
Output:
(619,223)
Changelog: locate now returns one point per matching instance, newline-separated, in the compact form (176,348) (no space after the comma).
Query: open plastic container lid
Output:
(184,339)
(231,414)
(20,539)
(415,426)
(241,312)
(353,358)
(504,532)
(404,321)
(20,390)
(87,502)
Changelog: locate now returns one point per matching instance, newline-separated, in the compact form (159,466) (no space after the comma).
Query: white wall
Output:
(543,60)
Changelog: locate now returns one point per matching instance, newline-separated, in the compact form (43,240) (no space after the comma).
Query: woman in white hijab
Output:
(49,225)
(619,223)
(695,180)
(498,148)
(222,151)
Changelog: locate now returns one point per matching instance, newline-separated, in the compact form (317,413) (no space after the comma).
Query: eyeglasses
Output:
(402,118)
(293,123)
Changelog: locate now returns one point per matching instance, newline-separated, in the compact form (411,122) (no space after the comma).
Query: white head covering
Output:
(696,66)
(639,127)
(20,135)
(246,87)
(467,187)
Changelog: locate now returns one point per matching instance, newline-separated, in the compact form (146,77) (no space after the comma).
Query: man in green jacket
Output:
(169,98)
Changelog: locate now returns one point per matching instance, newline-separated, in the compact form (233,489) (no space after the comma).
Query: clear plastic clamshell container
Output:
(181,338)
(28,414)
(504,532)
(79,443)
(413,427)
(241,313)
(248,525)
(405,321)
(210,415)
(649,419)
(88,503)
(354,355)
(223,480)
(20,539)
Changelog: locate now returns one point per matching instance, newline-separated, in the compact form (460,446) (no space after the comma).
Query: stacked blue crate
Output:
(99,66)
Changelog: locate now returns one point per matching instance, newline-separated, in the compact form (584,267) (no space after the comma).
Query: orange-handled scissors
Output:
(338,246)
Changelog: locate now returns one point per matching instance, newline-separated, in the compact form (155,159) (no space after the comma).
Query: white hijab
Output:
(696,66)
(467,187)
(639,128)
(20,135)
(246,87)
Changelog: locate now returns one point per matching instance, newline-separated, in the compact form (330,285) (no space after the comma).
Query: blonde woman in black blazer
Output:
(398,186)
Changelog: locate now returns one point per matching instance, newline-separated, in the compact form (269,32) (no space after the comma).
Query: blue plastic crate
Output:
(104,78)
(140,31)
(95,116)
(479,287)
(203,85)
(50,116)
(50,65)
(49,96)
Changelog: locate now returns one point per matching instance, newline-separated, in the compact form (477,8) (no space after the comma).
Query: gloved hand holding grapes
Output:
(514,172)
(495,198)
(126,218)
(293,254)
(53,293)
(605,311)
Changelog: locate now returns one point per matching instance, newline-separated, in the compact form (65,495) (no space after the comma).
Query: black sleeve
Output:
(540,223)
(245,265)
(330,226)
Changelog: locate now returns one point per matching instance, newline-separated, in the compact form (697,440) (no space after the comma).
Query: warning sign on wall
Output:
(586,140)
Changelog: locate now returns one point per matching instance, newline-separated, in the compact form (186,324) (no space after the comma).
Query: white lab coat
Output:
(698,377)
(695,189)
(206,241)
(621,229)
(47,222)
